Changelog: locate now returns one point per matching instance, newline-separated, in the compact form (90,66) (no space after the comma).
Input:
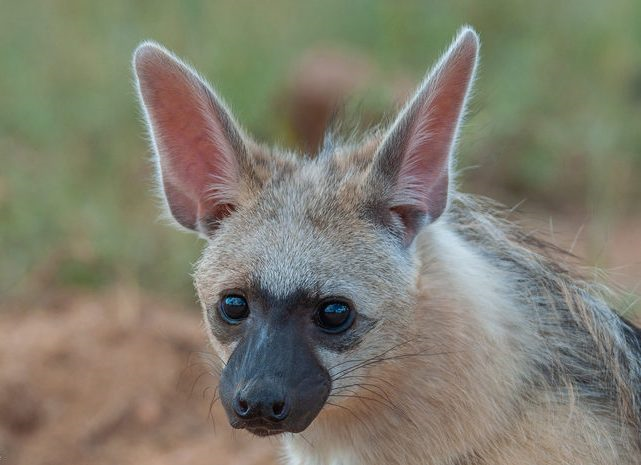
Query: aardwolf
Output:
(370,313)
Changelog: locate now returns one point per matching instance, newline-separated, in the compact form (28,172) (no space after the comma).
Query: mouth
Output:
(260,428)
(264,432)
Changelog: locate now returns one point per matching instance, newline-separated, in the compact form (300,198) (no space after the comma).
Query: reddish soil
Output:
(108,379)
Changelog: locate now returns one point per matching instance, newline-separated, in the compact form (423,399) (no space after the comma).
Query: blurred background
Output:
(100,335)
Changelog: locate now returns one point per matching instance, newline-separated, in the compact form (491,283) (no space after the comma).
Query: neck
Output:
(447,392)
(460,395)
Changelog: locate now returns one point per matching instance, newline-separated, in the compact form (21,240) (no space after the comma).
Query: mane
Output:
(589,352)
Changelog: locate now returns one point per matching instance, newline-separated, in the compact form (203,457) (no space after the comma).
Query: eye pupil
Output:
(234,308)
(234,301)
(335,317)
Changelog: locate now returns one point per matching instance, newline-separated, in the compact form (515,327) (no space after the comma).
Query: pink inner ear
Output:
(191,133)
(430,126)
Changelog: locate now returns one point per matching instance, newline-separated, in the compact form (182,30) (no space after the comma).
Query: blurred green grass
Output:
(556,115)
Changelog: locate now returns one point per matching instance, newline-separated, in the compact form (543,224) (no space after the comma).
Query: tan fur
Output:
(459,406)
(460,401)
(486,349)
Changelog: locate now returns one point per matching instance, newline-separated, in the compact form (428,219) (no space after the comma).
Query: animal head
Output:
(310,262)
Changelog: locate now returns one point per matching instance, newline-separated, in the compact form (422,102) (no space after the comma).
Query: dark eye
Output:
(233,309)
(334,317)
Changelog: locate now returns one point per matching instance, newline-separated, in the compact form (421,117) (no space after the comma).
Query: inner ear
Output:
(201,152)
(411,220)
(412,166)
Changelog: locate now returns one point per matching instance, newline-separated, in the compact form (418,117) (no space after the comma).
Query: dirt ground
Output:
(107,379)
(121,377)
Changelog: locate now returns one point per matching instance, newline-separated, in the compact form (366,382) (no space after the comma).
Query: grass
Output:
(556,116)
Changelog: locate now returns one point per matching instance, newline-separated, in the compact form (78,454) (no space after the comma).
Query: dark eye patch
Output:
(348,340)
(340,327)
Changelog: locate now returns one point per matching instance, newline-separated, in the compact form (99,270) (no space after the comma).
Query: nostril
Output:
(242,404)
(278,407)
(279,410)
(242,407)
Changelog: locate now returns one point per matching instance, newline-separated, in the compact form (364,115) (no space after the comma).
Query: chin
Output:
(264,432)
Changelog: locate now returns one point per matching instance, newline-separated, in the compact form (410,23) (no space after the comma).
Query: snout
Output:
(267,396)
(262,408)
(273,381)
(271,408)
(266,407)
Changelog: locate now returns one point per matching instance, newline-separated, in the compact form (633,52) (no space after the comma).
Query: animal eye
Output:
(234,309)
(334,317)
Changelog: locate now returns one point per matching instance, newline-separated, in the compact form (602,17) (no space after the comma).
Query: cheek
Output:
(331,360)
(222,350)
(345,367)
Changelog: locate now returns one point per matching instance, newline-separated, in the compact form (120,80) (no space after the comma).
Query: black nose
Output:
(266,405)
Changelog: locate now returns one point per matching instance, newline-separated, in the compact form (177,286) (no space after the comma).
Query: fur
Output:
(478,344)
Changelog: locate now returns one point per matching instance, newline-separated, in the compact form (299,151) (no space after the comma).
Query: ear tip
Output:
(468,36)
(147,53)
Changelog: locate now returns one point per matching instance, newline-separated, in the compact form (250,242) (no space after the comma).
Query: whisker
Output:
(348,409)
(366,388)
(375,360)
(210,415)
(380,354)
(373,399)
(307,441)
(207,388)
(402,413)
(198,378)
(368,376)
(357,396)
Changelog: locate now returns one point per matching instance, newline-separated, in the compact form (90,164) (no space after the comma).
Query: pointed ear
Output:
(412,166)
(199,150)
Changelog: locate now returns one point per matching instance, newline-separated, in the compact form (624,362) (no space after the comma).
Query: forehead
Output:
(308,231)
